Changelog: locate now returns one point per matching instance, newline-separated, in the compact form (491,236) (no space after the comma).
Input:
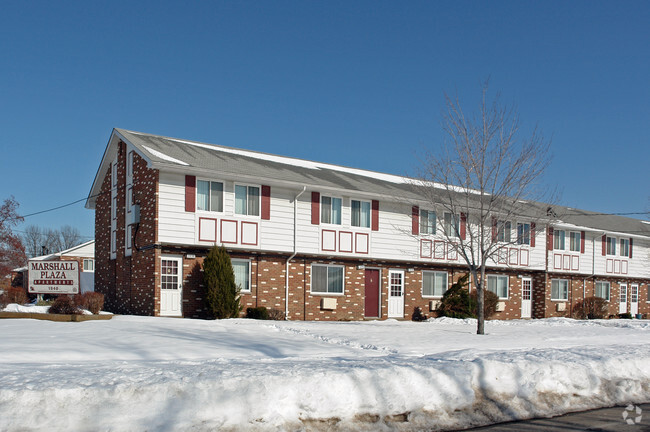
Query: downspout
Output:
(295,252)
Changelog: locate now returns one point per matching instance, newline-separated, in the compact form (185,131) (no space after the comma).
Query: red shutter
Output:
(604,242)
(315,208)
(549,239)
(532,234)
(463,226)
(582,242)
(630,247)
(415,220)
(266,202)
(494,228)
(375,215)
(190,193)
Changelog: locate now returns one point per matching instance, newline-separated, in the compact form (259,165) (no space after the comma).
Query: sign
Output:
(53,277)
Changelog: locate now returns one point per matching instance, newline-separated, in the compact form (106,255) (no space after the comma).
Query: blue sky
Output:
(357,83)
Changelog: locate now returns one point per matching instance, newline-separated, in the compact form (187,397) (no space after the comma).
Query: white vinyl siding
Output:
(498,285)
(434,284)
(427,222)
(602,290)
(209,196)
(247,200)
(242,271)
(330,210)
(326,279)
(560,289)
(575,241)
(360,213)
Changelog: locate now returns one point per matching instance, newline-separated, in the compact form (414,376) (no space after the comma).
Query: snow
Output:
(144,373)
(163,156)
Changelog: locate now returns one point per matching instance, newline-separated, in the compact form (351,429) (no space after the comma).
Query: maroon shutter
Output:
(582,242)
(532,234)
(549,239)
(415,220)
(375,215)
(315,208)
(463,226)
(190,193)
(494,228)
(604,242)
(266,202)
(630,247)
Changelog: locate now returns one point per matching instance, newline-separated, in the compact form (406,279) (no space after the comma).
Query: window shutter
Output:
(630,247)
(315,208)
(375,216)
(549,239)
(266,202)
(532,234)
(463,225)
(604,242)
(190,193)
(494,228)
(582,242)
(415,220)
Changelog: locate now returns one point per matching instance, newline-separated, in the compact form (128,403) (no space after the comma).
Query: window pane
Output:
(202,195)
(336,211)
(356,213)
(365,214)
(575,242)
(240,199)
(240,268)
(216,196)
(440,283)
(427,283)
(335,280)
(253,201)
(319,279)
(326,210)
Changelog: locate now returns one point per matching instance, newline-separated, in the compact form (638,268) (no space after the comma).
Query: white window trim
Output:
(614,242)
(579,242)
(434,296)
(250,280)
(370,214)
(609,291)
(320,211)
(487,277)
(234,196)
(620,249)
(556,235)
(223,196)
(311,281)
(568,288)
(84,265)
(530,234)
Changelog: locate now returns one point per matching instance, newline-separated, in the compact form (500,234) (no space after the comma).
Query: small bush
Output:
(490,301)
(276,314)
(91,301)
(13,295)
(257,313)
(64,304)
(590,308)
(455,302)
(418,315)
(625,315)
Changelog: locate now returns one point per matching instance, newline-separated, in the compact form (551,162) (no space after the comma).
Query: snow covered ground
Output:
(164,374)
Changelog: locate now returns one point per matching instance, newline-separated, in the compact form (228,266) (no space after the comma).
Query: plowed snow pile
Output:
(158,374)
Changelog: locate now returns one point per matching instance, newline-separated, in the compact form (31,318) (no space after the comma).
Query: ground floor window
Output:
(89,265)
(498,285)
(434,284)
(242,270)
(602,290)
(559,289)
(326,279)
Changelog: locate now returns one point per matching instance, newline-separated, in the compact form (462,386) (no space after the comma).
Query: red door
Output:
(372,294)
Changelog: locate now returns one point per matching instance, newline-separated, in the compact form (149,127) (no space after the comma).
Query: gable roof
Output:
(192,157)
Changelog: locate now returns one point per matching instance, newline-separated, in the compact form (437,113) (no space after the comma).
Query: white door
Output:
(634,299)
(526,297)
(396,294)
(622,304)
(171,288)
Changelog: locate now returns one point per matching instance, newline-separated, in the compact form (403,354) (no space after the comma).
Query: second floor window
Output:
(611,246)
(360,213)
(558,239)
(503,231)
(452,224)
(625,247)
(209,196)
(523,233)
(575,241)
(247,200)
(330,210)
(427,222)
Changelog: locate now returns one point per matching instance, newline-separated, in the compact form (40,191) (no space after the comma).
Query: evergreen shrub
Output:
(222,294)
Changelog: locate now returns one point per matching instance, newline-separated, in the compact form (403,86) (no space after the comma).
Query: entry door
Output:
(171,289)
(526,297)
(372,293)
(622,306)
(634,299)
(396,294)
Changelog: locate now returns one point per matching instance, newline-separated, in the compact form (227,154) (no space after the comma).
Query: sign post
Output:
(53,277)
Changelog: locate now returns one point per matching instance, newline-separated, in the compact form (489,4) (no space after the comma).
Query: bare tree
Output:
(70,237)
(483,177)
(51,241)
(33,240)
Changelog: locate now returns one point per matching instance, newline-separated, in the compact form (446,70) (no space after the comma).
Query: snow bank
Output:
(137,373)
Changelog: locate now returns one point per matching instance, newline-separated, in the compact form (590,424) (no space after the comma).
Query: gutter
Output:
(295,252)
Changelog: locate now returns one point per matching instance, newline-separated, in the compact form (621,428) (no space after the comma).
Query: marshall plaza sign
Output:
(54,277)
